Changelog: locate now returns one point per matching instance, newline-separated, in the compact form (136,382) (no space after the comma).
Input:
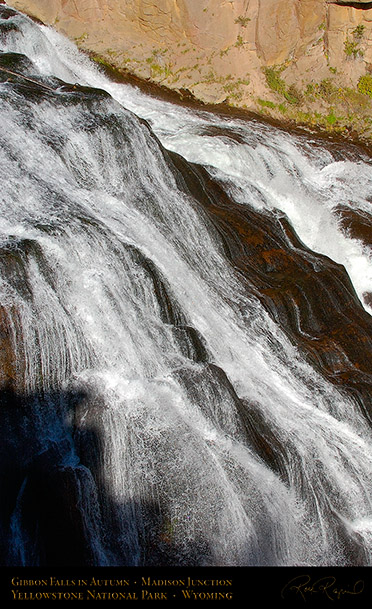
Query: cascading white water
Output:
(121,291)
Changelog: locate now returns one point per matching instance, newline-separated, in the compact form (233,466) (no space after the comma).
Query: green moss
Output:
(359,31)
(331,118)
(293,95)
(355,98)
(159,70)
(243,21)
(230,86)
(277,84)
(239,41)
(81,38)
(224,51)
(304,117)
(274,81)
(365,85)
(352,49)
(210,77)
(265,103)
(101,61)
(326,89)
(236,96)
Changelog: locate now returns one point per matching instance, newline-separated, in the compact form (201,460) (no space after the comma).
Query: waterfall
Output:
(185,353)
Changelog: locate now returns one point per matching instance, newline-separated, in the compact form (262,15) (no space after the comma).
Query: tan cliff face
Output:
(297,58)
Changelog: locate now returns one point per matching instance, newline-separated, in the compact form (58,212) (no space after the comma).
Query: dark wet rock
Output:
(8,364)
(58,512)
(356,223)
(309,295)
(367,297)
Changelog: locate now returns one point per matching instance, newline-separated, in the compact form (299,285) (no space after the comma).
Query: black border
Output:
(282,586)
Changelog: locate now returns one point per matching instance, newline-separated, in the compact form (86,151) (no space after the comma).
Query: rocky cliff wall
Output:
(307,60)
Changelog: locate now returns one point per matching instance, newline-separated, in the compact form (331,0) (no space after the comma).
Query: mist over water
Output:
(153,405)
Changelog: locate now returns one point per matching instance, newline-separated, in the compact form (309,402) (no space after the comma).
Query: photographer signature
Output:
(303,586)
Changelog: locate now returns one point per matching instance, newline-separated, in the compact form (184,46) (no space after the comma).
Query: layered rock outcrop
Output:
(302,59)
